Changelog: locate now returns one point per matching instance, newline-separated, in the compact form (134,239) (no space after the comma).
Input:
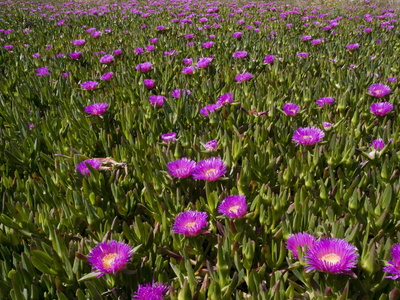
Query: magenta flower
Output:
(106,59)
(331,256)
(209,109)
(83,166)
(225,99)
(150,48)
(107,76)
(190,44)
(78,42)
(381,108)
(269,59)
(303,54)
(42,71)
(208,44)
(109,257)
(187,70)
(156,100)
(177,93)
(392,79)
(291,109)
(31,125)
(8,47)
(90,30)
(117,51)
(153,40)
(75,55)
(150,291)
(301,239)
(190,223)
(210,169)
(237,35)
(96,33)
(326,125)
(353,46)
(211,145)
(144,67)
(170,53)
(243,77)
(181,168)
(379,90)
(89,85)
(36,55)
(189,36)
(308,136)
(393,267)
(316,42)
(306,37)
(204,62)
(188,61)
(149,83)
(378,144)
(325,101)
(160,28)
(97,108)
(233,206)
(168,137)
(240,54)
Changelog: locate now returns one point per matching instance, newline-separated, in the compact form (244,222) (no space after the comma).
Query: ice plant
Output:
(190,223)
(308,136)
(151,291)
(301,239)
(326,125)
(75,55)
(209,108)
(381,108)
(240,54)
(208,44)
(97,108)
(42,71)
(225,99)
(237,35)
(210,169)
(78,42)
(269,59)
(187,70)
(243,77)
(303,54)
(89,85)
(144,67)
(331,256)
(325,101)
(107,76)
(156,100)
(353,46)
(106,59)
(168,137)
(177,93)
(211,145)
(149,83)
(378,144)
(82,167)
(291,109)
(393,266)
(181,168)
(109,257)
(204,62)
(379,90)
(233,206)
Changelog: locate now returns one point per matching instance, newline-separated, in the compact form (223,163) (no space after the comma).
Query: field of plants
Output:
(199,150)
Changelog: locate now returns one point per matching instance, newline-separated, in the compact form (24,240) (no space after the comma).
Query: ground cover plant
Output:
(199,150)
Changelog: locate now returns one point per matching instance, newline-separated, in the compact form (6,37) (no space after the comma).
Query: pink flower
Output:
(117,52)
(149,83)
(78,42)
(89,85)
(156,100)
(75,55)
(106,59)
(107,76)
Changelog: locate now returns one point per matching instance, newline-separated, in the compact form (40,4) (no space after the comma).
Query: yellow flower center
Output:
(234,209)
(211,172)
(331,258)
(108,260)
(189,225)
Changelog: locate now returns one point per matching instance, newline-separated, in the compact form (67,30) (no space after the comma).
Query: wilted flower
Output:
(107,76)
(225,99)
(83,168)
(157,100)
(97,108)
(211,145)
(210,169)
(301,239)
(269,59)
(149,83)
(106,59)
(144,67)
(168,137)
(331,256)
(109,257)
(42,71)
(190,223)
(379,90)
(89,85)
(353,46)
(394,266)
(308,136)
(243,77)
(240,54)
(325,101)
(233,206)
(204,62)
(75,55)
(78,42)
(177,93)
(181,168)
(150,291)
(209,108)
(381,108)
(291,109)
